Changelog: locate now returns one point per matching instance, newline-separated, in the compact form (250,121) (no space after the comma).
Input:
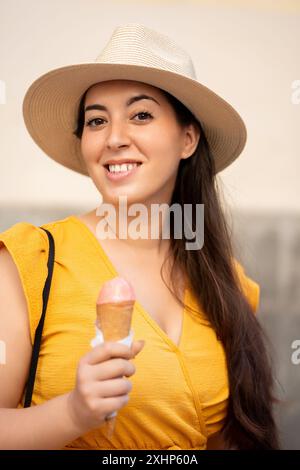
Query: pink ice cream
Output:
(116,290)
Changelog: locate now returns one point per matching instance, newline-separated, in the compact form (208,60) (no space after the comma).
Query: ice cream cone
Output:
(114,319)
(114,309)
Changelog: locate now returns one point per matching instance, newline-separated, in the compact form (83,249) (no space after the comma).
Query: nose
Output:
(117,136)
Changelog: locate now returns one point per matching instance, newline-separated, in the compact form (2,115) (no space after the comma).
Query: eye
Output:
(89,123)
(145,113)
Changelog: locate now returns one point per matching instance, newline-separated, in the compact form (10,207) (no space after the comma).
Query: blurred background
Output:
(247,52)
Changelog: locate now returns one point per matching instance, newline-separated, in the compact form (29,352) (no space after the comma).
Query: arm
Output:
(46,426)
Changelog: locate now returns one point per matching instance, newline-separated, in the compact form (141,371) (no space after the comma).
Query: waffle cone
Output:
(114,319)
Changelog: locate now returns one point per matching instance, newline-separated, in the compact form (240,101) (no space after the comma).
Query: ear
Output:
(191,140)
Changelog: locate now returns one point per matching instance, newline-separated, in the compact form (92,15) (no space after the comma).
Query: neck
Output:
(144,232)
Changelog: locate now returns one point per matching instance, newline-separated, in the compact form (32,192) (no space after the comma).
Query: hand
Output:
(100,387)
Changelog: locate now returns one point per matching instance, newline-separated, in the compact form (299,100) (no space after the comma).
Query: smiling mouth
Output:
(120,171)
(122,175)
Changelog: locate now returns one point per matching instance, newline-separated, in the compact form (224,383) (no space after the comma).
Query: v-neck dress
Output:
(180,392)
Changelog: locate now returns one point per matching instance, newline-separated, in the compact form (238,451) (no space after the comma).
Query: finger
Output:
(111,388)
(111,369)
(108,405)
(136,347)
(107,350)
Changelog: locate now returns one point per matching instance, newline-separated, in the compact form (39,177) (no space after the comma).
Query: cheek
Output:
(156,150)
(164,139)
(90,148)
(163,149)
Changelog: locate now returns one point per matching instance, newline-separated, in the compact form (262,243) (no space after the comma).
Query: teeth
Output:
(124,167)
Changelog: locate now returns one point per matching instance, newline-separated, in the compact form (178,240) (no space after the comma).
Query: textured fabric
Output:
(179,395)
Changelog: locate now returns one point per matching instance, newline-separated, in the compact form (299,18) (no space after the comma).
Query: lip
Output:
(121,175)
(120,162)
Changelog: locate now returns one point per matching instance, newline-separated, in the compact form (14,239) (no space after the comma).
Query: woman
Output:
(203,379)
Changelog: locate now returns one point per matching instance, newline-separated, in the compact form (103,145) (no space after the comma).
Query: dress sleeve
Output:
(250,288)
(28,246)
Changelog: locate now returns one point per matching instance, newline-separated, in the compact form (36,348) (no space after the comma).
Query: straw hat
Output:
(133,52)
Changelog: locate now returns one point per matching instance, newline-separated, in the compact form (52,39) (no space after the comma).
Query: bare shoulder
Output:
(14,332)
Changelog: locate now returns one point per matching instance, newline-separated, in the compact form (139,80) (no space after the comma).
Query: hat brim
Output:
(50,109)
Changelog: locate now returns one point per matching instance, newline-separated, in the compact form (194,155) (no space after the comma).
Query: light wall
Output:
(248,52)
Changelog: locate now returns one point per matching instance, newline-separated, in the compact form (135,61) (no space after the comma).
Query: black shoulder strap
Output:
(39,330)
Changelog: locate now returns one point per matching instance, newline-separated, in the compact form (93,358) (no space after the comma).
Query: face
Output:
(142,130)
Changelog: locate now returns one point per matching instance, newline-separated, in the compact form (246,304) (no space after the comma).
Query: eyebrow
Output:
(131,100)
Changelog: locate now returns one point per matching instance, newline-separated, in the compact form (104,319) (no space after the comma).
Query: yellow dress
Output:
(180,393)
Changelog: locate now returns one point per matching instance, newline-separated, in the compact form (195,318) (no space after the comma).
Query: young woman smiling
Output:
(203,379)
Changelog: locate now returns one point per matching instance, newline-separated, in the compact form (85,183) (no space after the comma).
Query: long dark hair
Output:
(212,276)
